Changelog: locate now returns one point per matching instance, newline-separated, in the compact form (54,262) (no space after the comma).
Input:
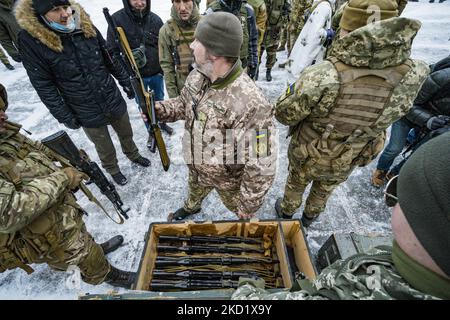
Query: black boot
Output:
(306,221)
(269,75)
(119,178)
(181,214)
(278,210)
(112,244)
(166,128)
(9,67)
(143,162)
(120,278)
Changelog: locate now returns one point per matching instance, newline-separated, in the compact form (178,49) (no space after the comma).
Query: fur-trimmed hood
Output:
(30,22)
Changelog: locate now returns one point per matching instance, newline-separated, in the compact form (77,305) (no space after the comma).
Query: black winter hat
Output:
(423,190)
(43,6)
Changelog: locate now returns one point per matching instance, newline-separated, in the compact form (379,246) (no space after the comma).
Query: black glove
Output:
(436,122)
(251,71)
(129,91)
(72,124)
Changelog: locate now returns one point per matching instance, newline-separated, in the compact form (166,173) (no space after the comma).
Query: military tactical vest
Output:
(215,6)
(12,151)
(351,135)
(181,53)
(274,11)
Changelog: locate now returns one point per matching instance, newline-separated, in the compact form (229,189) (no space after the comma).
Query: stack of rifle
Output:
(212,262)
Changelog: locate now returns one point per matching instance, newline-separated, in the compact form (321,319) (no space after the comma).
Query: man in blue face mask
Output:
(69,66)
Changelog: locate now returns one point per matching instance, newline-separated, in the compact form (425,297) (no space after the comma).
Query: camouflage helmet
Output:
(3,98)
(358,13)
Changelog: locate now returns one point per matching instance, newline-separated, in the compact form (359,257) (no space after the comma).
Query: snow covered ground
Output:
(151,193)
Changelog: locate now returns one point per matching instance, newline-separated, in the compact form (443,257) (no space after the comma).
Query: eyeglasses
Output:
(390,192)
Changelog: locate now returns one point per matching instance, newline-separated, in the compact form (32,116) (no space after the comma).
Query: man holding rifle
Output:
(141,27)
(66,59)
(229,133)
(40,219)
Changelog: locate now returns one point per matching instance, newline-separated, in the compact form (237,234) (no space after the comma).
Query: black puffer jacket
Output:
(133,23)
(434,96)
(70,72)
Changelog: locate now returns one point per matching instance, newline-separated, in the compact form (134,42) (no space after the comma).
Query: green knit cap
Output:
(358,13)
(221,33)
(423,190)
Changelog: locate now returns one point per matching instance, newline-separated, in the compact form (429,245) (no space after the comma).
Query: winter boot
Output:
(9,67)
(306,221)
(119,178)
(120,278)
(166,128)
(378,178)
(278,210)
(143,162)
(269,75)
(181,214)
(112,244)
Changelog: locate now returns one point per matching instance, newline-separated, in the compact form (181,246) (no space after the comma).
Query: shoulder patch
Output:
(290,90)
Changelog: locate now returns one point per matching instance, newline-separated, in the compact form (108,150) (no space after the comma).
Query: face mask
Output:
(60,27)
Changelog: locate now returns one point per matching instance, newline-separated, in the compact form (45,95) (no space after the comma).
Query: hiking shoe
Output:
(143,162)
(306,221)
(9,67)
(181,214)
(278,210)
(378,178)
(120,278)
(119,178)
(269,75)
(166,128)
(112,244)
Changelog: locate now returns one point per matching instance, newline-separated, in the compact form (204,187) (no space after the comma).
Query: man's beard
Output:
(205,68)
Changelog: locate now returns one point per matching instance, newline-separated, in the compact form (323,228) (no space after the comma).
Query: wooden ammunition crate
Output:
(288,239)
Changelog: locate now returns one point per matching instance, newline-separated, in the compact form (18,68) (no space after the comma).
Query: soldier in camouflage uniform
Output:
(338,110)
(175,36)
(229,143)
(277,11)
(40,220)
(417,266)
(260,9)
(297,20)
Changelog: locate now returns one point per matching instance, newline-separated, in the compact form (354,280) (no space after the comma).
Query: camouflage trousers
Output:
(270,44)
(283,37)
(60,239)
(3,58)
(105,147)
(198,192)
(296,184)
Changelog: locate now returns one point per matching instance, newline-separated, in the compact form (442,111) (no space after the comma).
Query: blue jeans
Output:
(397,141)
(155,83)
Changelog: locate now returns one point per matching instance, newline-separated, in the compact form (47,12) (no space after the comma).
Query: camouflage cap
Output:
(3,98)
(423,190)
(358,13)
(221,33)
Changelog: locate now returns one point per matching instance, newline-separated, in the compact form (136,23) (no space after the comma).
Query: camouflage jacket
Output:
(229,140)
(30,184)
(307,102)
(370,276)
(175,37)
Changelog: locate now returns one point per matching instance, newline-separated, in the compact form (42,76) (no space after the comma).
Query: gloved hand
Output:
(330,33)
(129,91)
(75,177)
(251,71)
(435,123)
(72,124)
